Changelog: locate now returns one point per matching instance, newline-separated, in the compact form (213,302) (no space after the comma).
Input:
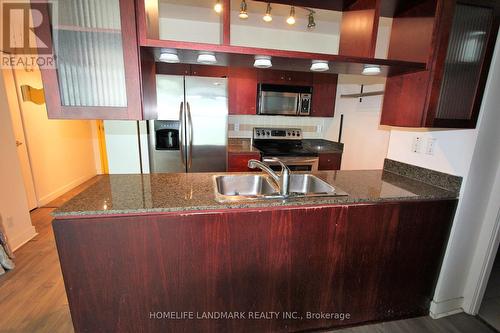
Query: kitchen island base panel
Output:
(358,263)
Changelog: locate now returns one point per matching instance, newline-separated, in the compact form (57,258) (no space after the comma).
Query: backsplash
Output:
(242,126)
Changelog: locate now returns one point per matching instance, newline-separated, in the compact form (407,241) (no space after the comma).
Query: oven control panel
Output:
(277,133)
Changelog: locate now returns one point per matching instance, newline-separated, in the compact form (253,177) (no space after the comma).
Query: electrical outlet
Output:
(236,127)
(318,128)
(431,145)
(417,145)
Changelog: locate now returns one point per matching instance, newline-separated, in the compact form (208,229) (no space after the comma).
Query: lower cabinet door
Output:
(422,235)
(238,162)
(330,161)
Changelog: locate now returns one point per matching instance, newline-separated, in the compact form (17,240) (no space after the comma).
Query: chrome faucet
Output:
(283,180)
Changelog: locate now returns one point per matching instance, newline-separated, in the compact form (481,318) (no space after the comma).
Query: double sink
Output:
(261,186)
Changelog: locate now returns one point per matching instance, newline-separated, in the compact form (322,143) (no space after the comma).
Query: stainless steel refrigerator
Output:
(190,133)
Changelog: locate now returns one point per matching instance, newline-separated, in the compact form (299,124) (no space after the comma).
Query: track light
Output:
(291,18)
(218,7)
(310,20)
(371,70)
(243,10)
(268,17)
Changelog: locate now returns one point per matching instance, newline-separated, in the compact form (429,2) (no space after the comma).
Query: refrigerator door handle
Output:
(181,133)
(190,133)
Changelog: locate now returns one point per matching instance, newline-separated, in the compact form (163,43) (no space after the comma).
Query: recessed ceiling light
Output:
(243,10)
(371,70)
(205,57)
(319,65)
(291,18)
(262,62)
(268,17)
(169,56)
(218,7)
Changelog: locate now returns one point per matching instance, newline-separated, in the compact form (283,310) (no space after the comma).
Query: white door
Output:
(22,153)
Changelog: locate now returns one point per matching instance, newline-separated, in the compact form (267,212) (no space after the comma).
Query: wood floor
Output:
(32,296)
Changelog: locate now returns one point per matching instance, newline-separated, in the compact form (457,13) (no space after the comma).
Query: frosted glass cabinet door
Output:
(97,67)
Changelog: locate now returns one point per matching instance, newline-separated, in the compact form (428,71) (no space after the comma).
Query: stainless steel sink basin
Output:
(261,187)
(245,185)
(306,184)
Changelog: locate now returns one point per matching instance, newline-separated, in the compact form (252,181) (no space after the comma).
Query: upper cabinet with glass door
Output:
(196,21)
(97,63)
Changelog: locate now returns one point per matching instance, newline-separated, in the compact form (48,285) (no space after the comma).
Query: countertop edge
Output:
(242,206)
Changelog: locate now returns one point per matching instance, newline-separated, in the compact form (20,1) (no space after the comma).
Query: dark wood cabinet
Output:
(365,262)
(330,161)
(367,236)
(97,74)
(413,271)
(359,27)
(456,40)
(242,90)
(238,162)
(208,71)
(285,77)
(392,256)
(324,95)
(191,70)
(243,84)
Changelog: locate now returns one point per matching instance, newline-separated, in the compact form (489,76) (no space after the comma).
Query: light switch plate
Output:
(417,145)
(431,146)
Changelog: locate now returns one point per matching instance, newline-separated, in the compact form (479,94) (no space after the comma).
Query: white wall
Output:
(365,141)
(14,212)
(452,153)
(60,151)
(122,146)
(474,155)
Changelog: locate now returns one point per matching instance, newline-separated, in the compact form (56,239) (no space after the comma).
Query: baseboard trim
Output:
(60,191)
(23,238)
(446,308)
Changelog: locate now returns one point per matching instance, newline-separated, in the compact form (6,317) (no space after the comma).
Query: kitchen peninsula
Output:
(134,248)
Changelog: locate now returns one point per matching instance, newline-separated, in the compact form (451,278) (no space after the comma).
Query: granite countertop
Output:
(322,146)
(158,193)
(240,146)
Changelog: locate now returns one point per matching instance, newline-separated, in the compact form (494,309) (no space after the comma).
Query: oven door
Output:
(295,163)
(278,103)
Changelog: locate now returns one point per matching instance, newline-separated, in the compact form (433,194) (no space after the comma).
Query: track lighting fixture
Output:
(268,17)
(310,20)
(218,7)
(291,18)
(243,10)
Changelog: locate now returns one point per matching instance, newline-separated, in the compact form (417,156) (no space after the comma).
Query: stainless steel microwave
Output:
(275,99)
